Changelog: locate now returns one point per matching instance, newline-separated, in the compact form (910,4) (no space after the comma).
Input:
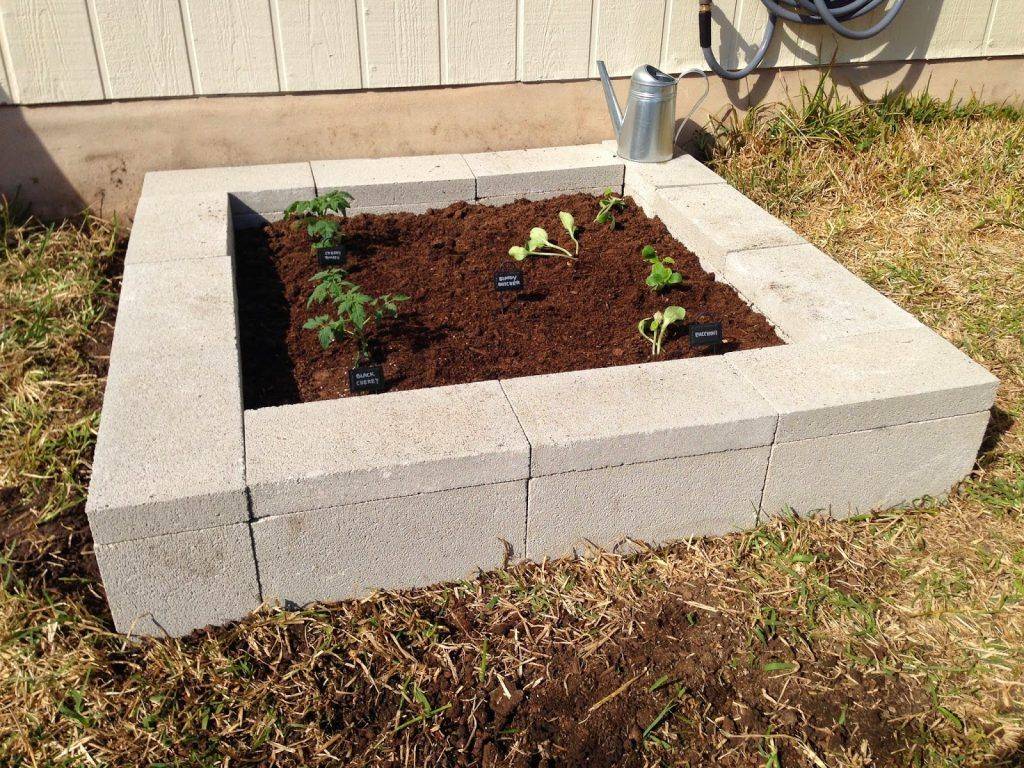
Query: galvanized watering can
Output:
(645,132)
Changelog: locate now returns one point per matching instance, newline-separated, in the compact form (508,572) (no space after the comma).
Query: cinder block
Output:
(715,219)
(657,501)
(604,417)
(337,452)
(875,469)
(171,585)
(865,382)
(506,199)
(344,552)
(169,455)
(643,180)
(401,208)
(173,228)
(388,181)
(809,296)
(518,172)
(253,188)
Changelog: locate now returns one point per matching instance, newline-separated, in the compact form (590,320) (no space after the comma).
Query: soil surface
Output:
(455,327)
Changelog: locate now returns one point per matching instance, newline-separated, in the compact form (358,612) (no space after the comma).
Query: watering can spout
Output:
(609,96)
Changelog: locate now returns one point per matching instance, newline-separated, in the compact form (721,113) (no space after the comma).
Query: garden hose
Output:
(831,13)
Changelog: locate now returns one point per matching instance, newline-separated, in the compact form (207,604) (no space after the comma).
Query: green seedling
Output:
(570,226)
(607,207)
(661,275)
(314,214)
(357,312)
(653,328)
(538,240)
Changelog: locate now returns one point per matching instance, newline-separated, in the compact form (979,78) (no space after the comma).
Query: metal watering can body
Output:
(646,130)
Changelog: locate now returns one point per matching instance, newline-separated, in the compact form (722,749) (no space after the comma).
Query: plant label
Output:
(706,334)
(366,378)
(509,279)
(333,256)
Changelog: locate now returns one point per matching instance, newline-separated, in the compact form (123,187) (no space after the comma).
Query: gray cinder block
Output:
(173,584)
(337,452)
(809,296)
(637,413)
(169,455)
(518,172)
(713,220)
(342,552)
(657,501)
(252,188)
(176,227)
(874,469)
(397,181)
(865,382)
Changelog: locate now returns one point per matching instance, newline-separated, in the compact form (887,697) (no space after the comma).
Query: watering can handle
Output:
(707,90)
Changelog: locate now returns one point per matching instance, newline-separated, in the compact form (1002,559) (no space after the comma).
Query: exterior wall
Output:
(61,159)
(56,51)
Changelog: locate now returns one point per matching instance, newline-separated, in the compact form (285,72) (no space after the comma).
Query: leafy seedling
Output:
(570,226)
(607,207)
(538,240)
(661,275)
(653,328)
(314,214)
(357,312)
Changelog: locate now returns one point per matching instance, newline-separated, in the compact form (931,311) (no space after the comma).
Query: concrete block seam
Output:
(887,426)
(382,498)
(529,466)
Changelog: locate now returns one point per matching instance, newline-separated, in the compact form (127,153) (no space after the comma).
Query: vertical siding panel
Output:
(480,41)
(556,39)
(320,44)
(402,46)
(682,46)
(627,34)
(923,29)
(233,45)
(51,50)
(1006,32)
(143,48)
(792,44)
(6,93)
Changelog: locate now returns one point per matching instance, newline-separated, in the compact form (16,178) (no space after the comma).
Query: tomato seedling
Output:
(569,223)
(661,275)
(538,240)
(314,214)
(607,207)
(653,328)
(357,312)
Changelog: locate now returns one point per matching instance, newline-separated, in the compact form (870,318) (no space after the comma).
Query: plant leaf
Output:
(673,314)
(518,253)
(326,336)
(538,237)
(648,253)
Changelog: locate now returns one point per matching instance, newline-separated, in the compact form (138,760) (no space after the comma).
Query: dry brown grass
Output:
(903,632)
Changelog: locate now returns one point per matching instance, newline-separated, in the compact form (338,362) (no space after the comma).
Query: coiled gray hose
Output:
(831,13)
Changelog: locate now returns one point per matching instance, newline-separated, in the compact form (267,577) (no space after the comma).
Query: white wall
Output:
(85,50)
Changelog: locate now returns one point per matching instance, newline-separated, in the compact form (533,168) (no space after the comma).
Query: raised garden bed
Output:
(455,327)
(201,507)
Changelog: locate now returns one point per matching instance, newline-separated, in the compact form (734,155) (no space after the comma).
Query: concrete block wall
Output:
(200,511)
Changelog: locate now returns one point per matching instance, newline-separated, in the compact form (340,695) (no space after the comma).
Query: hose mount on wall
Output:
(831,13)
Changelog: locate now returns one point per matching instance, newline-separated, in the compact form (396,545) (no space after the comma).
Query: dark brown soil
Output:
(456,328)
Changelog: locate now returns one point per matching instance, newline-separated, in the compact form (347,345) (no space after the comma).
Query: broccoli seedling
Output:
(538,240)
(314,212)
(653,328)
(607,207)
(661,275)
(357,312)
(569,223)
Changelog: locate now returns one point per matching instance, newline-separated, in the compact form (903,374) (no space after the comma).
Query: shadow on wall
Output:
(901,49)
(29,172)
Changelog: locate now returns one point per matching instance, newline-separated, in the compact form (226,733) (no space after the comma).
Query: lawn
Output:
(895,639)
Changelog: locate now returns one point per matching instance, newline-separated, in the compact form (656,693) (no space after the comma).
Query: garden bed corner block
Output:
(200,511)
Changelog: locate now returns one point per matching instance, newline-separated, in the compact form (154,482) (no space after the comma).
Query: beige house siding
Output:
(87,50)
